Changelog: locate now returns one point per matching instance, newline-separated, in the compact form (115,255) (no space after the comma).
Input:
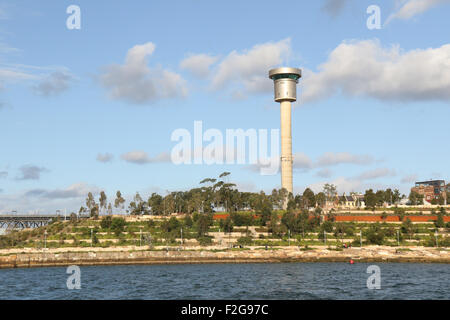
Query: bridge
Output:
(23,221)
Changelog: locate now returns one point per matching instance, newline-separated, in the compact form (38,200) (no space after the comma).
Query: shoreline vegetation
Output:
(218,223)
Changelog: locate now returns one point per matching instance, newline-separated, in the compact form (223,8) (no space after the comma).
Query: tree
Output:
(155,202)
(388,196)
(396,197)
(119,201)
(339,231)
(375,234)
(308,199)
(400,212)
(330,191)
(226,225)
(320,199)
(440,220)
(327,226)
(110,210)
(118,225)
(106,222)
(408,228)
(92,206)
(188,221)
(380,198)
(102,200)
(82,210)
(415,198)
(204,221)
(73,217)
(171,225)
(370,199)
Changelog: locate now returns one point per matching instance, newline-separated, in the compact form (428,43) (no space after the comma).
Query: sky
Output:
(94,108)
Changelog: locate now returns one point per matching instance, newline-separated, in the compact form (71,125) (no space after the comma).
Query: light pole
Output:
(181,236)
(45,239)
(289,235)
(360,238)
(436,235)
(92,236)
(398,238)
(140,238)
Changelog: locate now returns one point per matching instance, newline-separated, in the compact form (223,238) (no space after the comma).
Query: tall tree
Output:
(92,206)
(330,191)
(309,199)
(119,202)
(370,199)
(103,200)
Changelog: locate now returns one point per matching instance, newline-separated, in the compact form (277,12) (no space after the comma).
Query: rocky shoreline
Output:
(136,255)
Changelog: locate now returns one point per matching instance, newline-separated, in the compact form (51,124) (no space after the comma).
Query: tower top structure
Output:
(285,83)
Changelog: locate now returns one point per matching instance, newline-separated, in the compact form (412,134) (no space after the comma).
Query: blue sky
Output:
(373,105)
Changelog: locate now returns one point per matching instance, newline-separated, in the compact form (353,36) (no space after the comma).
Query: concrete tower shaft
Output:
(285,85)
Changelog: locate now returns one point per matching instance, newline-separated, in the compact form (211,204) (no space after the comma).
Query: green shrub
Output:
(106,222)
(245,241)
(204,240)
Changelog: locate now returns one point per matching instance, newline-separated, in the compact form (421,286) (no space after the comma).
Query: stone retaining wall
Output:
(44,259)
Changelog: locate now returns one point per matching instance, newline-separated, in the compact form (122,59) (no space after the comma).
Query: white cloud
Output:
(409,178)
(247,72)
(364,68)
(411,8)
(30,172)
(141,157)
(135,82)
(324,173)
(8,74)
(301,161)
(334,7)
(335,158)
(105,157)
(47,200)
(375,174)
(342,184)
(54,83)
(198,64)
(77,190)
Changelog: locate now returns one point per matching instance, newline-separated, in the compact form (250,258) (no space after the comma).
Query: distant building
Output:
(431,190)
(353,201)
(347,202)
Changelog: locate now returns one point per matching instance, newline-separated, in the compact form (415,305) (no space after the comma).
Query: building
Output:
(431,190)
(347,202)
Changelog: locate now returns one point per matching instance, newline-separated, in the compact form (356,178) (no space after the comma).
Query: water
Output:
(231,281)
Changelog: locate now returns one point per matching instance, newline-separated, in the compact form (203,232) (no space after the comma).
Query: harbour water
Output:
(231,281)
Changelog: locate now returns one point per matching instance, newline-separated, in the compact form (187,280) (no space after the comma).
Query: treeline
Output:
(215,194)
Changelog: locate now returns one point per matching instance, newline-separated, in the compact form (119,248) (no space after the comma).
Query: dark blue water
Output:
(231,281)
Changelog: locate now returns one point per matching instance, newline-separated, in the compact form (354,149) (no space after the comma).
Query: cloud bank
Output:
(412,8)
(30,172)
(136,83)
(105,157)
(141,157)
(364,68)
